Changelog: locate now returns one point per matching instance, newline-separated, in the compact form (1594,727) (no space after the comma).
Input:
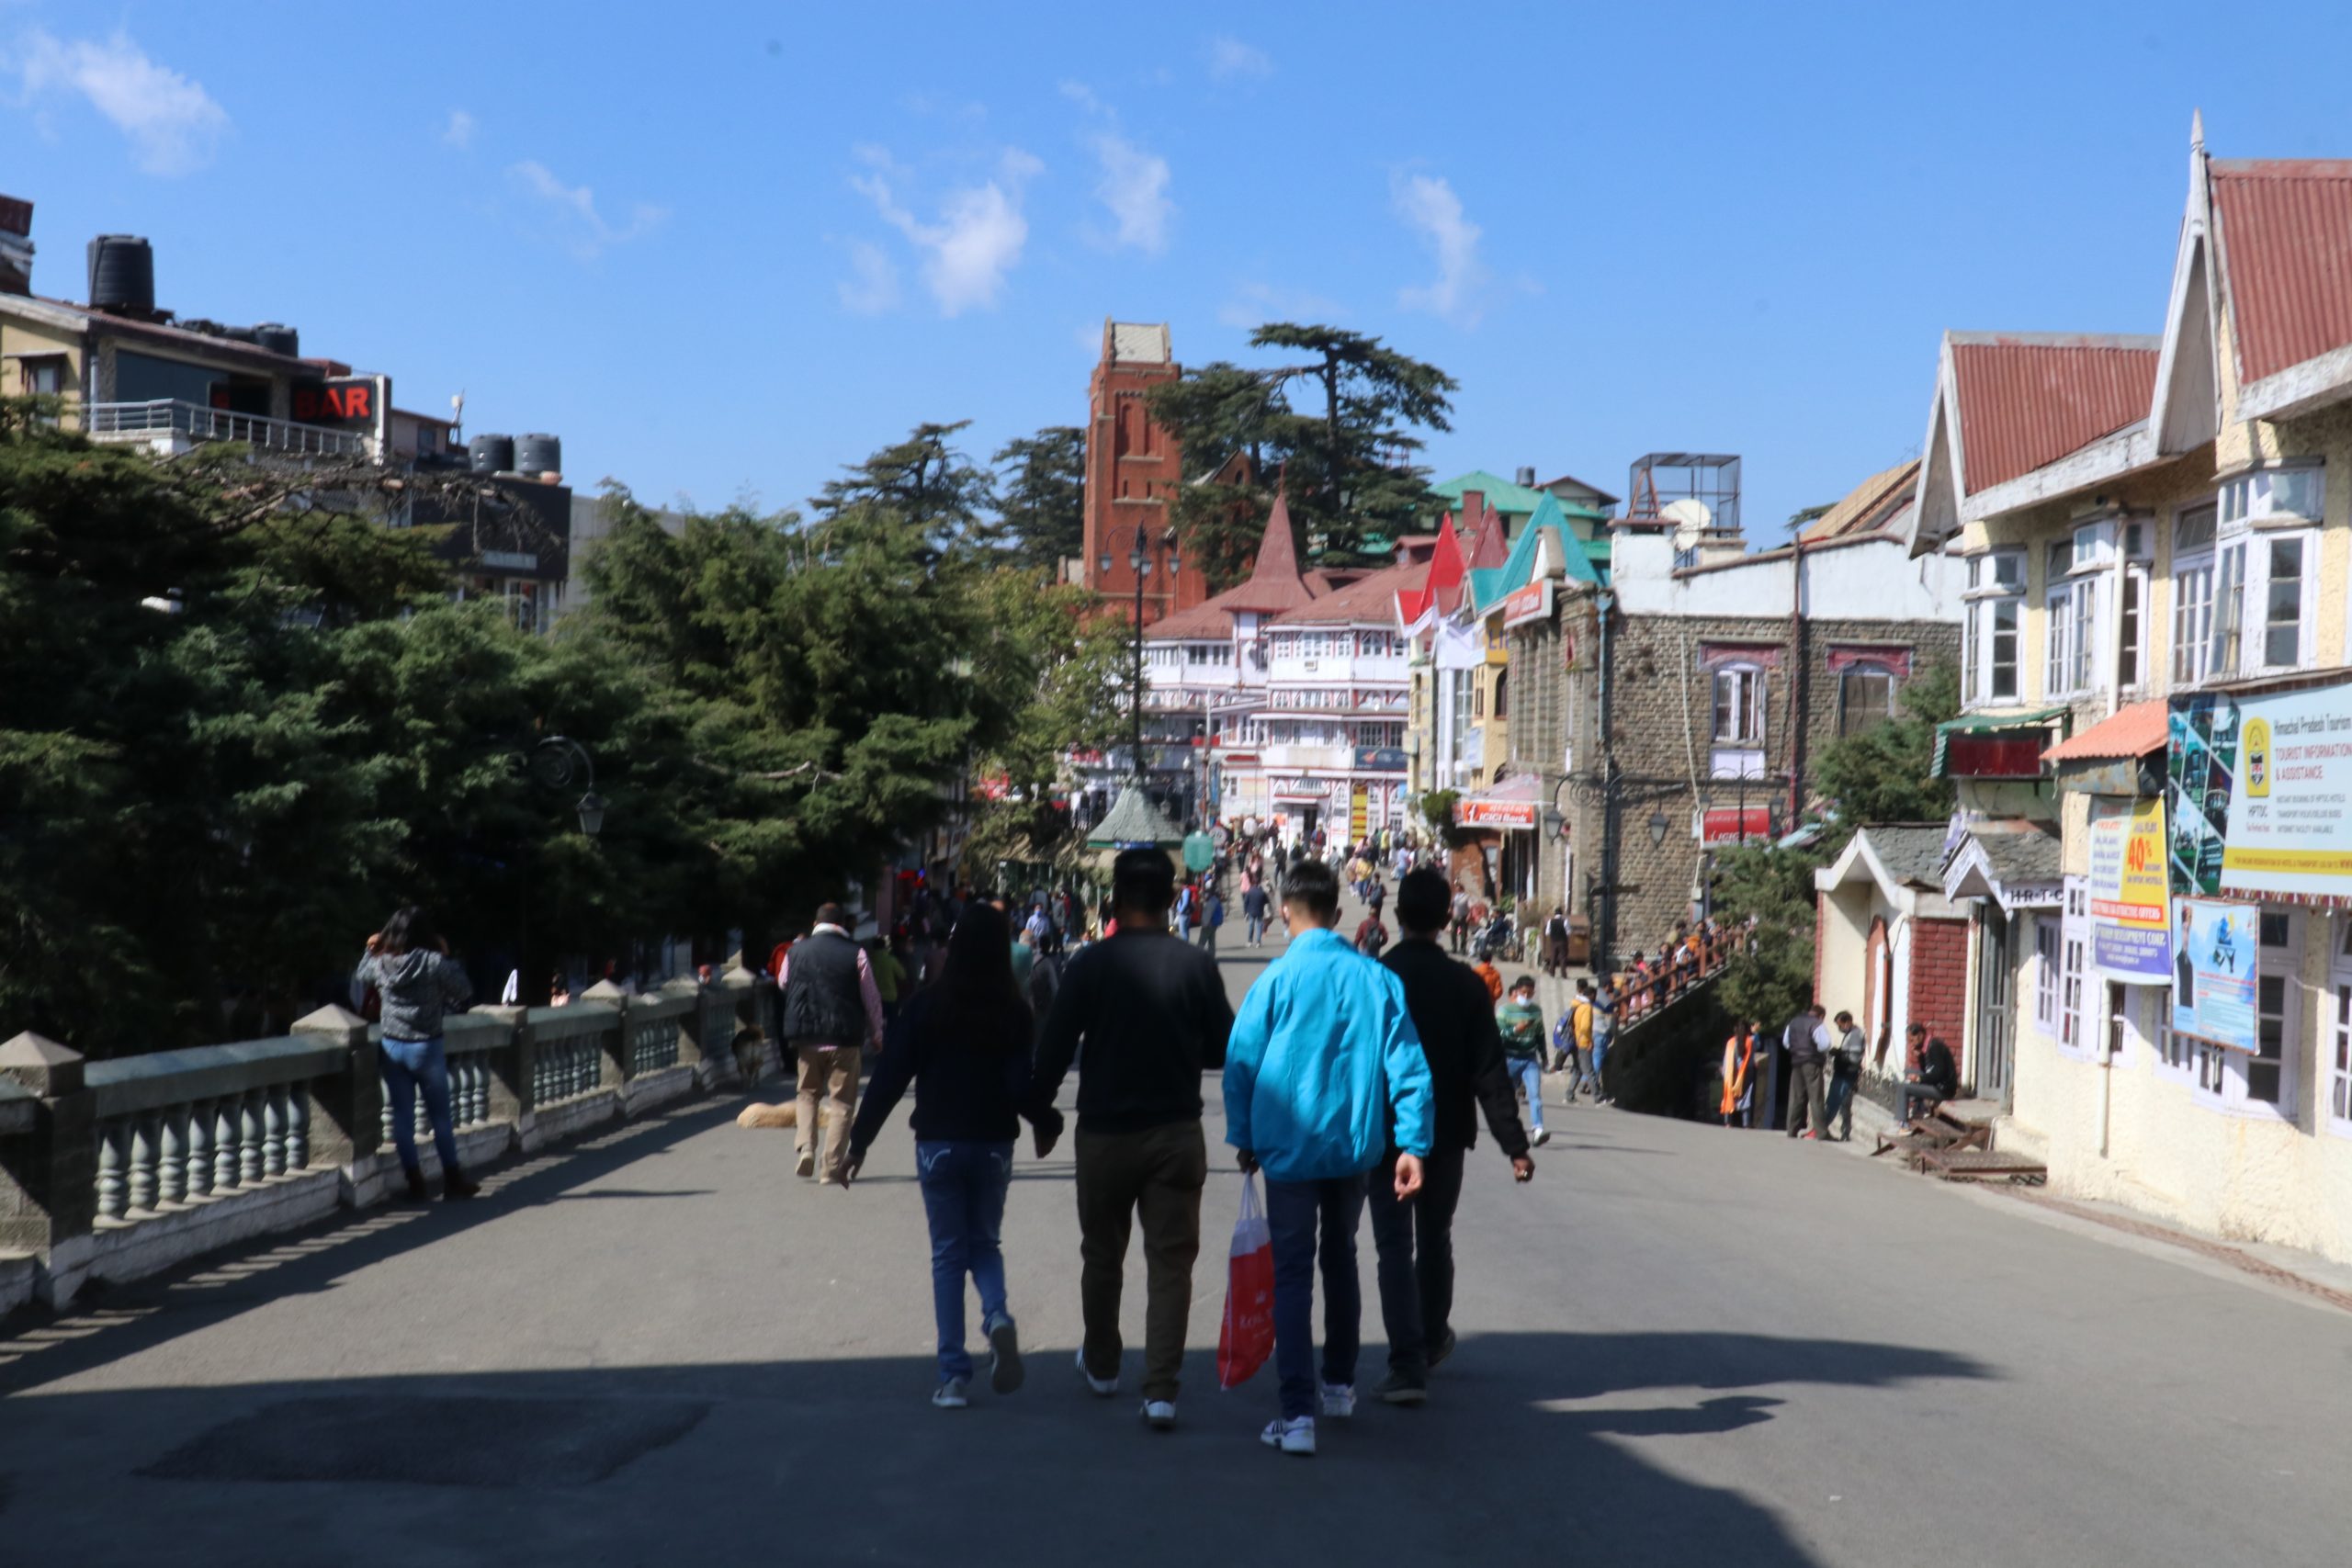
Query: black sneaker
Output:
(1398,1389)
(1440,1350)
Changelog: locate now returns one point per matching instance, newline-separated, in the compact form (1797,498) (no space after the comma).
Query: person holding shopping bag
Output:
(409,966)
(964,1042)
(1323,1060)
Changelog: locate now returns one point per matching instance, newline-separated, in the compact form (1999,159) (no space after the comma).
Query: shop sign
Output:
(2130,913)
(1521,606)
(1306,789)
(2215,948)
(1380,758)
(2260,793)
(1731,824)
(1477,811)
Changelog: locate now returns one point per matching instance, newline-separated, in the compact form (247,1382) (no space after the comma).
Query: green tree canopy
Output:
(1338,425)
(1040,496)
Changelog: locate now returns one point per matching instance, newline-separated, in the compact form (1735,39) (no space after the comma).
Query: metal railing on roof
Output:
(172,416)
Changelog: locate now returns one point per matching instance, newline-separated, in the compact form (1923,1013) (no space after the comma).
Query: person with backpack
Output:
(408,965)
(1324,1061)
(1606,1001)
(1372,935)
(1579,1053)
(965,1045)
(1520,1023)
(1212,916)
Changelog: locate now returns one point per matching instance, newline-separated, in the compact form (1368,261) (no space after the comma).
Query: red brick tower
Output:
(1132,467)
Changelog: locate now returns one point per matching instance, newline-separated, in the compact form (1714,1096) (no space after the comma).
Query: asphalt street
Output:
(1679,1346)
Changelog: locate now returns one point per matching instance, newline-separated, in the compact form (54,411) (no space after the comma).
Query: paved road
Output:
(1679,1346)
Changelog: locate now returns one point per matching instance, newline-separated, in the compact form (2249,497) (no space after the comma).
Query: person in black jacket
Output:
(1456,1018)
(965,1042)
(1937,1076)
(1153,1016)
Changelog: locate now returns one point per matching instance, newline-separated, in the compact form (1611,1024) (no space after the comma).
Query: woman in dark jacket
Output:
(965,1042)
(410,967)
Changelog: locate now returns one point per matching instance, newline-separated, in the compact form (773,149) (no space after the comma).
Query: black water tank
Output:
(539,455)
(491,453)
(278,338)
(122,274)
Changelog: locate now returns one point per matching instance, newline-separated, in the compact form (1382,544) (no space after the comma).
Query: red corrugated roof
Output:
(2286,232)
(2133,731)
(2029,398)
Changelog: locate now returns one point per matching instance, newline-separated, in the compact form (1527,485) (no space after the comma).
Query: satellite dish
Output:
(1690,518)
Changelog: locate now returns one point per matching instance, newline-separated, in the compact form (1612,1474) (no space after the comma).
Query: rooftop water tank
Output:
(539,455)
(122,274)
(278,338)
(491,453)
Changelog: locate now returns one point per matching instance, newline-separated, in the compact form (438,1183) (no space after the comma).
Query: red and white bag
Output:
(1247,1339)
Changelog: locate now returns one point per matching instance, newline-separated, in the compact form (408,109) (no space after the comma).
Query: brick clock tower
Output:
(1132,467)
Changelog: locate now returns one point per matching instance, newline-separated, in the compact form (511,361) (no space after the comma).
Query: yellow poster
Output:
(1360,815)
(2130,917)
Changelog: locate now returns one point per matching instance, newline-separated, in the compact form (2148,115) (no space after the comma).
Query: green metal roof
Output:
(1510,500)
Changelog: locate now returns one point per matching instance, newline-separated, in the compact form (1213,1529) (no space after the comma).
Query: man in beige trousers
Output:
(832,1011)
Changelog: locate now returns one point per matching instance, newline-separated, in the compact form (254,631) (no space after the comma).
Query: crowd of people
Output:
(1347,1083)
(1824,1060)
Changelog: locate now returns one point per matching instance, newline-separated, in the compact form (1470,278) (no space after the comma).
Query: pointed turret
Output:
(1273,585)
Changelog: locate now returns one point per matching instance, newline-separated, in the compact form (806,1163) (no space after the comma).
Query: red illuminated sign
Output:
(1723,824)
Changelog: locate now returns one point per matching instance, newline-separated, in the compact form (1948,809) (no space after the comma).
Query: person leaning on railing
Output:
(409,966)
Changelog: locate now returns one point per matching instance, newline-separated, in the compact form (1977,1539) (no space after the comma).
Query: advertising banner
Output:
(2259,789)
(1735,825)
(2130,911)
(2214,950)
(1480,811)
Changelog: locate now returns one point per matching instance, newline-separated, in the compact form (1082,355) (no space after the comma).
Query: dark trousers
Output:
(1415,1239)
(1156,1175)
(1914,1092)
(1806,1097)
(1295,1211)
(1839,1106)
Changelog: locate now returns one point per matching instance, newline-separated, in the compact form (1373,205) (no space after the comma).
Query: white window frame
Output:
(2049,939)
(2175,1055)
(2193,540)
(1743,690)
(2260,563)
(1996,579)
(2077,1017)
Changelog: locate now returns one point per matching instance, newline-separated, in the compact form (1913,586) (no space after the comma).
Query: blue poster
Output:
(2215,947)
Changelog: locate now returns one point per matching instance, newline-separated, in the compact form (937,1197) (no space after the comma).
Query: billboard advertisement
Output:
(2215,947)
(2130,909)
(2259,794)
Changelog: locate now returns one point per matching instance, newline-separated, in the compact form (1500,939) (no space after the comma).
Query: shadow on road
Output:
(711,1460)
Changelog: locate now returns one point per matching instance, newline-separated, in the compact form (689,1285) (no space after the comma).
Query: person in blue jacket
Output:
(1322,1063)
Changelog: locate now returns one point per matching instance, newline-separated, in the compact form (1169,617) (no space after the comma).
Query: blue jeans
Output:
(1528,1073)
(1257,929)
(1842,1098)
(1599,1055)
(963,1183)
(1294,1211)
(410,1066)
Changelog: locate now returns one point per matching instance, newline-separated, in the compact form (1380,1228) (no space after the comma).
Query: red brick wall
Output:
(1940,979)
(1125,488)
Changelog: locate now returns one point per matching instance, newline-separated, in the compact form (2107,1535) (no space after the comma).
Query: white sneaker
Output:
(1159,1415)
(1296,1436)
(1339,1400)
(949,1395)
(1542,1136)
(1102,1388)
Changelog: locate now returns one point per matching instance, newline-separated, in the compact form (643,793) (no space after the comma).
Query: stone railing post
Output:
(615,1075)
(690,1022)
(48,1174)
(347,1109)
(513,1068)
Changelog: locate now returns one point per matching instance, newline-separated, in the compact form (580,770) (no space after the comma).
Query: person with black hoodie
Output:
(965,1042)
(1152,1014)
(1456,1018)
(409,966)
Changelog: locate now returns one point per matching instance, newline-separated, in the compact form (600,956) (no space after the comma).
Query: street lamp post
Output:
(1139,559)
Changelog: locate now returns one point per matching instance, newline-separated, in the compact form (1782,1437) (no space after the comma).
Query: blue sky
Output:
(723,249)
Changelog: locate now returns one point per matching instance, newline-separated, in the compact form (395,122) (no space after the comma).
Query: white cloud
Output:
(1229,58)
(586,231)
(874,289)
(1134,188)
(1083,96)
(1427,204)
(460,131)
(980,233)
(172,123)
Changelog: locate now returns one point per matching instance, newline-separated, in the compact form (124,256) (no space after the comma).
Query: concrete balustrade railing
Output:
(119,1168)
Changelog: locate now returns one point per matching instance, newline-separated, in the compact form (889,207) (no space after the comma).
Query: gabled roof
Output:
(1572,481)
(1490,588)
(1872,504)
(1273,584)
(1438,587)
(1512,500)
(2286,237)
(2028,398)
(1369,600)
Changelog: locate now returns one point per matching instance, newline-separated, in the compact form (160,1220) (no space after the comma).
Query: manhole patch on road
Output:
(433,1440)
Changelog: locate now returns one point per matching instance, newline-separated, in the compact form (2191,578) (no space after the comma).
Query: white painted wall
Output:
(1870,581)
